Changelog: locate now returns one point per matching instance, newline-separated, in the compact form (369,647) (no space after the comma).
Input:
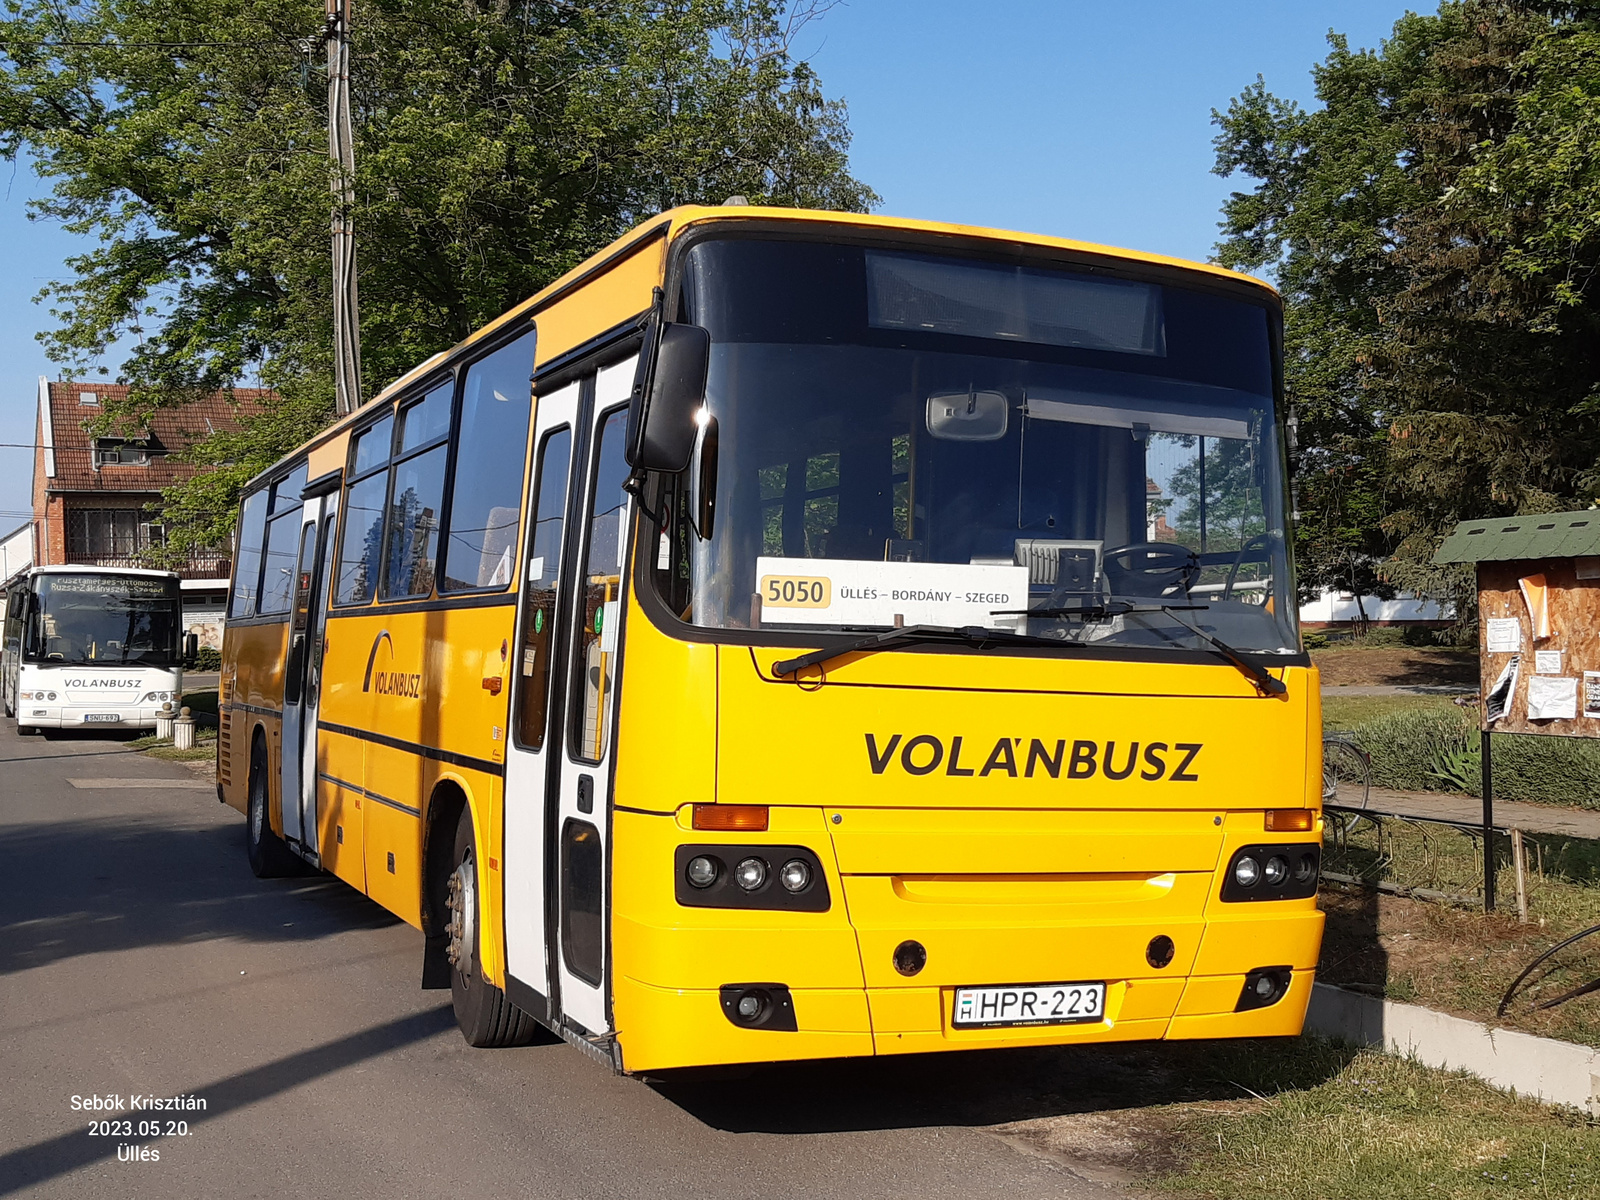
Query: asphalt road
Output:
(139,956)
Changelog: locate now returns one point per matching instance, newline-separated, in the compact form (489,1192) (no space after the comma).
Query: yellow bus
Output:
(795,634)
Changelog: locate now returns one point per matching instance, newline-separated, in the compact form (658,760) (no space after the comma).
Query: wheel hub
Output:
(460,899)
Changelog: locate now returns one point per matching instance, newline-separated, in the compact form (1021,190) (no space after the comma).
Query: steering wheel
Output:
(1258,542)
(1150,568)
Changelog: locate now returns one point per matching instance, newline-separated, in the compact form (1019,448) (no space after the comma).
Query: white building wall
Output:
(1334,607)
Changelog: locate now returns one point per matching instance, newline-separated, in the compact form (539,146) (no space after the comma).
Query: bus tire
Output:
(269,857)
(484,1014)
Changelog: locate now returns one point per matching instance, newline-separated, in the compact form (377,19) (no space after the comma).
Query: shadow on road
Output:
(993,1087)
(81,887)
(31,1165)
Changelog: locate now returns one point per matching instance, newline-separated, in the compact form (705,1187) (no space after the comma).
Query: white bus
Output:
(98,647)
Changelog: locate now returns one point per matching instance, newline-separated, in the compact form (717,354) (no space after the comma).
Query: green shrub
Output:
(1407,747)
(1314,639)
(1437,749)
(209,659)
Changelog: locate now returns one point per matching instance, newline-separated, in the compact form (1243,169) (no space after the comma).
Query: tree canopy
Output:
(1435,228)
(498,143)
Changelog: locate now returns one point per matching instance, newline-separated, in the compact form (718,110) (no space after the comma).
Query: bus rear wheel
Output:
(484,1014)
(269,857)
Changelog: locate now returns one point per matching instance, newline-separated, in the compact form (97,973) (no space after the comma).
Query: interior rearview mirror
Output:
(669,391)
(970,416)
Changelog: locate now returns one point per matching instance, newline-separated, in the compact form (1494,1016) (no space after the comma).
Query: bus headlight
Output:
(796,875)
(702,871)
(1273,872)
(750,874)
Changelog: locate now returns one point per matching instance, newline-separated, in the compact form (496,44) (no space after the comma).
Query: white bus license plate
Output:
(112,718)
(1031,1004)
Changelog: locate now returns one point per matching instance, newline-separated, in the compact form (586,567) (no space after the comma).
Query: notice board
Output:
(1539,646)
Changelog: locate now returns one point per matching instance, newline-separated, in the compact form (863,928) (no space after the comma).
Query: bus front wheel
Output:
(484,1014)
(269,857)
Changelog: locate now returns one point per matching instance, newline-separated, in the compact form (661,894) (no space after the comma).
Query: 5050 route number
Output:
(795,591)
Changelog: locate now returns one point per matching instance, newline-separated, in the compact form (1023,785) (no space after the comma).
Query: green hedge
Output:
(1434,749)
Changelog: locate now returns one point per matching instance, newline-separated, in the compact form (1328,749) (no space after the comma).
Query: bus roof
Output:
(675,220)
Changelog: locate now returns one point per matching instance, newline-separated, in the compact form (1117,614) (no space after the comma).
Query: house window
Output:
(98,535)
(120,451)
(89,398)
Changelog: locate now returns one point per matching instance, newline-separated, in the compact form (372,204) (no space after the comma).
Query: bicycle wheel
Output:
(1346,774)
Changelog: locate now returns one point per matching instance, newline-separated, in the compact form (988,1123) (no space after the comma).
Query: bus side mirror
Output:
(668,391)
(191,650)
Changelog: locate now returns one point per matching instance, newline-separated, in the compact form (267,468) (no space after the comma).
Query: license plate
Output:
(113,718)
(1030,1004)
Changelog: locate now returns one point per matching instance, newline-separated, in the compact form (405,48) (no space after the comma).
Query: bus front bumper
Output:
(850,998)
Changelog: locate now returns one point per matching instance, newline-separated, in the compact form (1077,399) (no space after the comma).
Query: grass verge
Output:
(1347,712)
(1302,1119)
(1383,1128)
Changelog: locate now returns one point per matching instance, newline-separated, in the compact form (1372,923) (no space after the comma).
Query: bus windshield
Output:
(105,620)
(1093,459)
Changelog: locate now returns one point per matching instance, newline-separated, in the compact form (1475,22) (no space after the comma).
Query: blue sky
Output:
(1079,118)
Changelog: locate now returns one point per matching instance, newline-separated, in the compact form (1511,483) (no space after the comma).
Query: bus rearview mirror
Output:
(672,391)
(191,649)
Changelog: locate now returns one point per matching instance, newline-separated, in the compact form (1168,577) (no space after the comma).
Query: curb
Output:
(1553,1071)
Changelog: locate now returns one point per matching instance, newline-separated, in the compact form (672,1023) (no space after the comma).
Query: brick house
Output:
(95,498)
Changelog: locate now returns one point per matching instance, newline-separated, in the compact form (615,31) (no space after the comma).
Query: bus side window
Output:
(361,515)
(247,561)
(598,606)
(416,494)
(486,496)
(539,597)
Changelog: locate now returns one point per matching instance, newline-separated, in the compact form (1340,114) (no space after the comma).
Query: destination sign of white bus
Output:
(841,591)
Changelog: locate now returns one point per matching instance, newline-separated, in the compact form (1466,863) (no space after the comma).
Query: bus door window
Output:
(247,570)
(539,597)
(302,613)
(600,608)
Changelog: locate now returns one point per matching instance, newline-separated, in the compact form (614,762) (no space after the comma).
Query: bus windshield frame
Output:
(103,619)
(1114,429)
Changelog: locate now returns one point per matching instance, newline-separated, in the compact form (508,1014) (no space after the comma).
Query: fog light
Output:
(795,876)
(749,1006)
(702,871)
(1305,870)
(52,695)
(1247,872)
(750,874)
(1276,871)
(1263,987)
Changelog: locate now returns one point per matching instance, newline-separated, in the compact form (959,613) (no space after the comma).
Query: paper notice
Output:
(1498,701)
(1504,635)
(1591,693)
(1537,597)
(1552,698)
(1547,662)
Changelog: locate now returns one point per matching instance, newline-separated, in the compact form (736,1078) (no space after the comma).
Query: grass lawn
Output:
(1346,712)
(1303,1119)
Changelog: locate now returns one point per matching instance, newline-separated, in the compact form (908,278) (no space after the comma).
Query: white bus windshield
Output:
(104,620)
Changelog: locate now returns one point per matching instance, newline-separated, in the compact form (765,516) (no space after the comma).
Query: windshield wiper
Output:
(1267,683)
(909,635)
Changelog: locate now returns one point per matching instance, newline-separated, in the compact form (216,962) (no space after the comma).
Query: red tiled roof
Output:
(171,430)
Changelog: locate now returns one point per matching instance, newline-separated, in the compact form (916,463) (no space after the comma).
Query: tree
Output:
(1431,226)
(498,144)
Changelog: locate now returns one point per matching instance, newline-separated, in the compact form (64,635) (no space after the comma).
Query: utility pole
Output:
(342,156)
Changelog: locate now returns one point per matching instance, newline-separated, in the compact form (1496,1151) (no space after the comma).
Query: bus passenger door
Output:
(302,679)
(535,704)
(582,826)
